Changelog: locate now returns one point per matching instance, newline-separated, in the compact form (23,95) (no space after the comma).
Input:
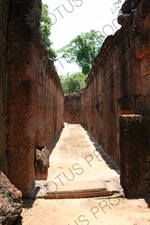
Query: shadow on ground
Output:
(99,149)
(27,205)
(147,200)
(18,221)
(54,141)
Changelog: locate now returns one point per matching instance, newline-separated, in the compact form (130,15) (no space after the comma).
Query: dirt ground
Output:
(90,211)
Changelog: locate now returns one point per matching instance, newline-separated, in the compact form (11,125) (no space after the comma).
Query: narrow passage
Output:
(77,169)
(76,165)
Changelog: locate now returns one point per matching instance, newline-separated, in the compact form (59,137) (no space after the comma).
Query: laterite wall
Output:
(31,96)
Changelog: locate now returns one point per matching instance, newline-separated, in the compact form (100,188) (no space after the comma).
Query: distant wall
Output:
(33,89)
(72,109)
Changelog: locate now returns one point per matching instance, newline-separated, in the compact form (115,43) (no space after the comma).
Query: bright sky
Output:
(72,17)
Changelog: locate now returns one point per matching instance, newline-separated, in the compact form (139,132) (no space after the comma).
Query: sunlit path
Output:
(77,165)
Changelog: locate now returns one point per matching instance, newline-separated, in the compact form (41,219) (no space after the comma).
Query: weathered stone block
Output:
(41,164)
(22,92)
(22,112)
(142,44)
(22,134)
(26,70)
(145,67)
(21,168)
(135,154)
(138,148)
(119,82)
(134,126)
(135,178)
(25,59)
(10,201)
(72,107)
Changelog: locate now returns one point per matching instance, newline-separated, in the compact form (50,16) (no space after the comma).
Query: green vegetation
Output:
(73,83)
(83,49)
(45,24)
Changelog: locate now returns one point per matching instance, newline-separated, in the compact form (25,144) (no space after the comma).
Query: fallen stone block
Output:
(41,164)
(10,201)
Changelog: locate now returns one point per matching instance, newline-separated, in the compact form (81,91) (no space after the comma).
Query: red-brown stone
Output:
(10,201)
(31,96)
(72,108)
(41,163)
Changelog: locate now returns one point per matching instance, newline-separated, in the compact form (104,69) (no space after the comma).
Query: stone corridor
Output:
(78,163)
(114,108)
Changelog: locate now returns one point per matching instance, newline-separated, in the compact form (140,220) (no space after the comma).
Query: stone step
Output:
(113,186)
(87,193)
(78,189)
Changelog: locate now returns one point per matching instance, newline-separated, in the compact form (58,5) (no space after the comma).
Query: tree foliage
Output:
(83,49)
(73,83)
(45,24)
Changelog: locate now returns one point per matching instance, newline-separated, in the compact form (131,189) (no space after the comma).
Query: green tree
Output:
(83,49)
(73,83)
(45,24)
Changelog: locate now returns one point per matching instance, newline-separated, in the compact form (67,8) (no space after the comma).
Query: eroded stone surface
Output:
(10,201)
(135,152)
(31,111)
(126,12)
(72,109)
(118,83)
(41,164)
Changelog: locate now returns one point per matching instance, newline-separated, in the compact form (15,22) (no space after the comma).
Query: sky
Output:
(72,17)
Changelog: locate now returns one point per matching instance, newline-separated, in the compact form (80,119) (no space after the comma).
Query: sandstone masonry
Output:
(72,108)
(31,95)
(118,85)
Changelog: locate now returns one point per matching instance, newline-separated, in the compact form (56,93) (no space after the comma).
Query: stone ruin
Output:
(72,108)
(114,106)
(41,163)
(10,201)
(31,102)
(31,97)
(126,12)
(115,103)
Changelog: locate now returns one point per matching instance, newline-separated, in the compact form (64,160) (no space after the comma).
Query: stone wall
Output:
(118,84)
(4,15)
(35,95)
(135,152)
(72,109)
(50,103)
